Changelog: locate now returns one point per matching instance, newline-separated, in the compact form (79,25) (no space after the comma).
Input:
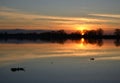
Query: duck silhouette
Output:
(92,58)
(17,69)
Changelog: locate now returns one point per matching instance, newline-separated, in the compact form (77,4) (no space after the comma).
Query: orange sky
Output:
(60,14)
(23,20)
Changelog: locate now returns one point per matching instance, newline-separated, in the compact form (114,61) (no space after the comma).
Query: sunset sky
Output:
(60,14)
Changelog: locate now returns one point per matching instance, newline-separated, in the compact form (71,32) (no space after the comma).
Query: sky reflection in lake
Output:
(60,63)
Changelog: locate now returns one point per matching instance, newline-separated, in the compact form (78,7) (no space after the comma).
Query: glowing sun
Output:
(81,29)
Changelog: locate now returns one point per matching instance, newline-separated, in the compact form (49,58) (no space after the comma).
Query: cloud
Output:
(14,14)
(36,19)
(3,8)
(13,17)
(107,15)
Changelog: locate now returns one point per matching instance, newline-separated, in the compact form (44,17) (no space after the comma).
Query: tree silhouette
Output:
(90,33)
(117,32)
(99,32)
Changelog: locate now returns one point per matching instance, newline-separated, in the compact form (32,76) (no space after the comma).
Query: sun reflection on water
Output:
(81,44)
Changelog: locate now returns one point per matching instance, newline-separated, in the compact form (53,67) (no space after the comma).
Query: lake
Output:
(78,61)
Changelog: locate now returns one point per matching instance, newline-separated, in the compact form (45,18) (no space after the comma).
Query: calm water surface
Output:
(60,63)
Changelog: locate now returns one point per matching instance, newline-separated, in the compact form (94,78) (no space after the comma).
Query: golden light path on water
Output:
(11,53)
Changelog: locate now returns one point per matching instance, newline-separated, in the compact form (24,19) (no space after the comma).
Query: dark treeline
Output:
(61,35)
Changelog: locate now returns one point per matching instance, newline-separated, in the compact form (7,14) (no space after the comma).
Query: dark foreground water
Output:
(60,63)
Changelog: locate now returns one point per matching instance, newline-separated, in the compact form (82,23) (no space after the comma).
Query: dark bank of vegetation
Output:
(61,34)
